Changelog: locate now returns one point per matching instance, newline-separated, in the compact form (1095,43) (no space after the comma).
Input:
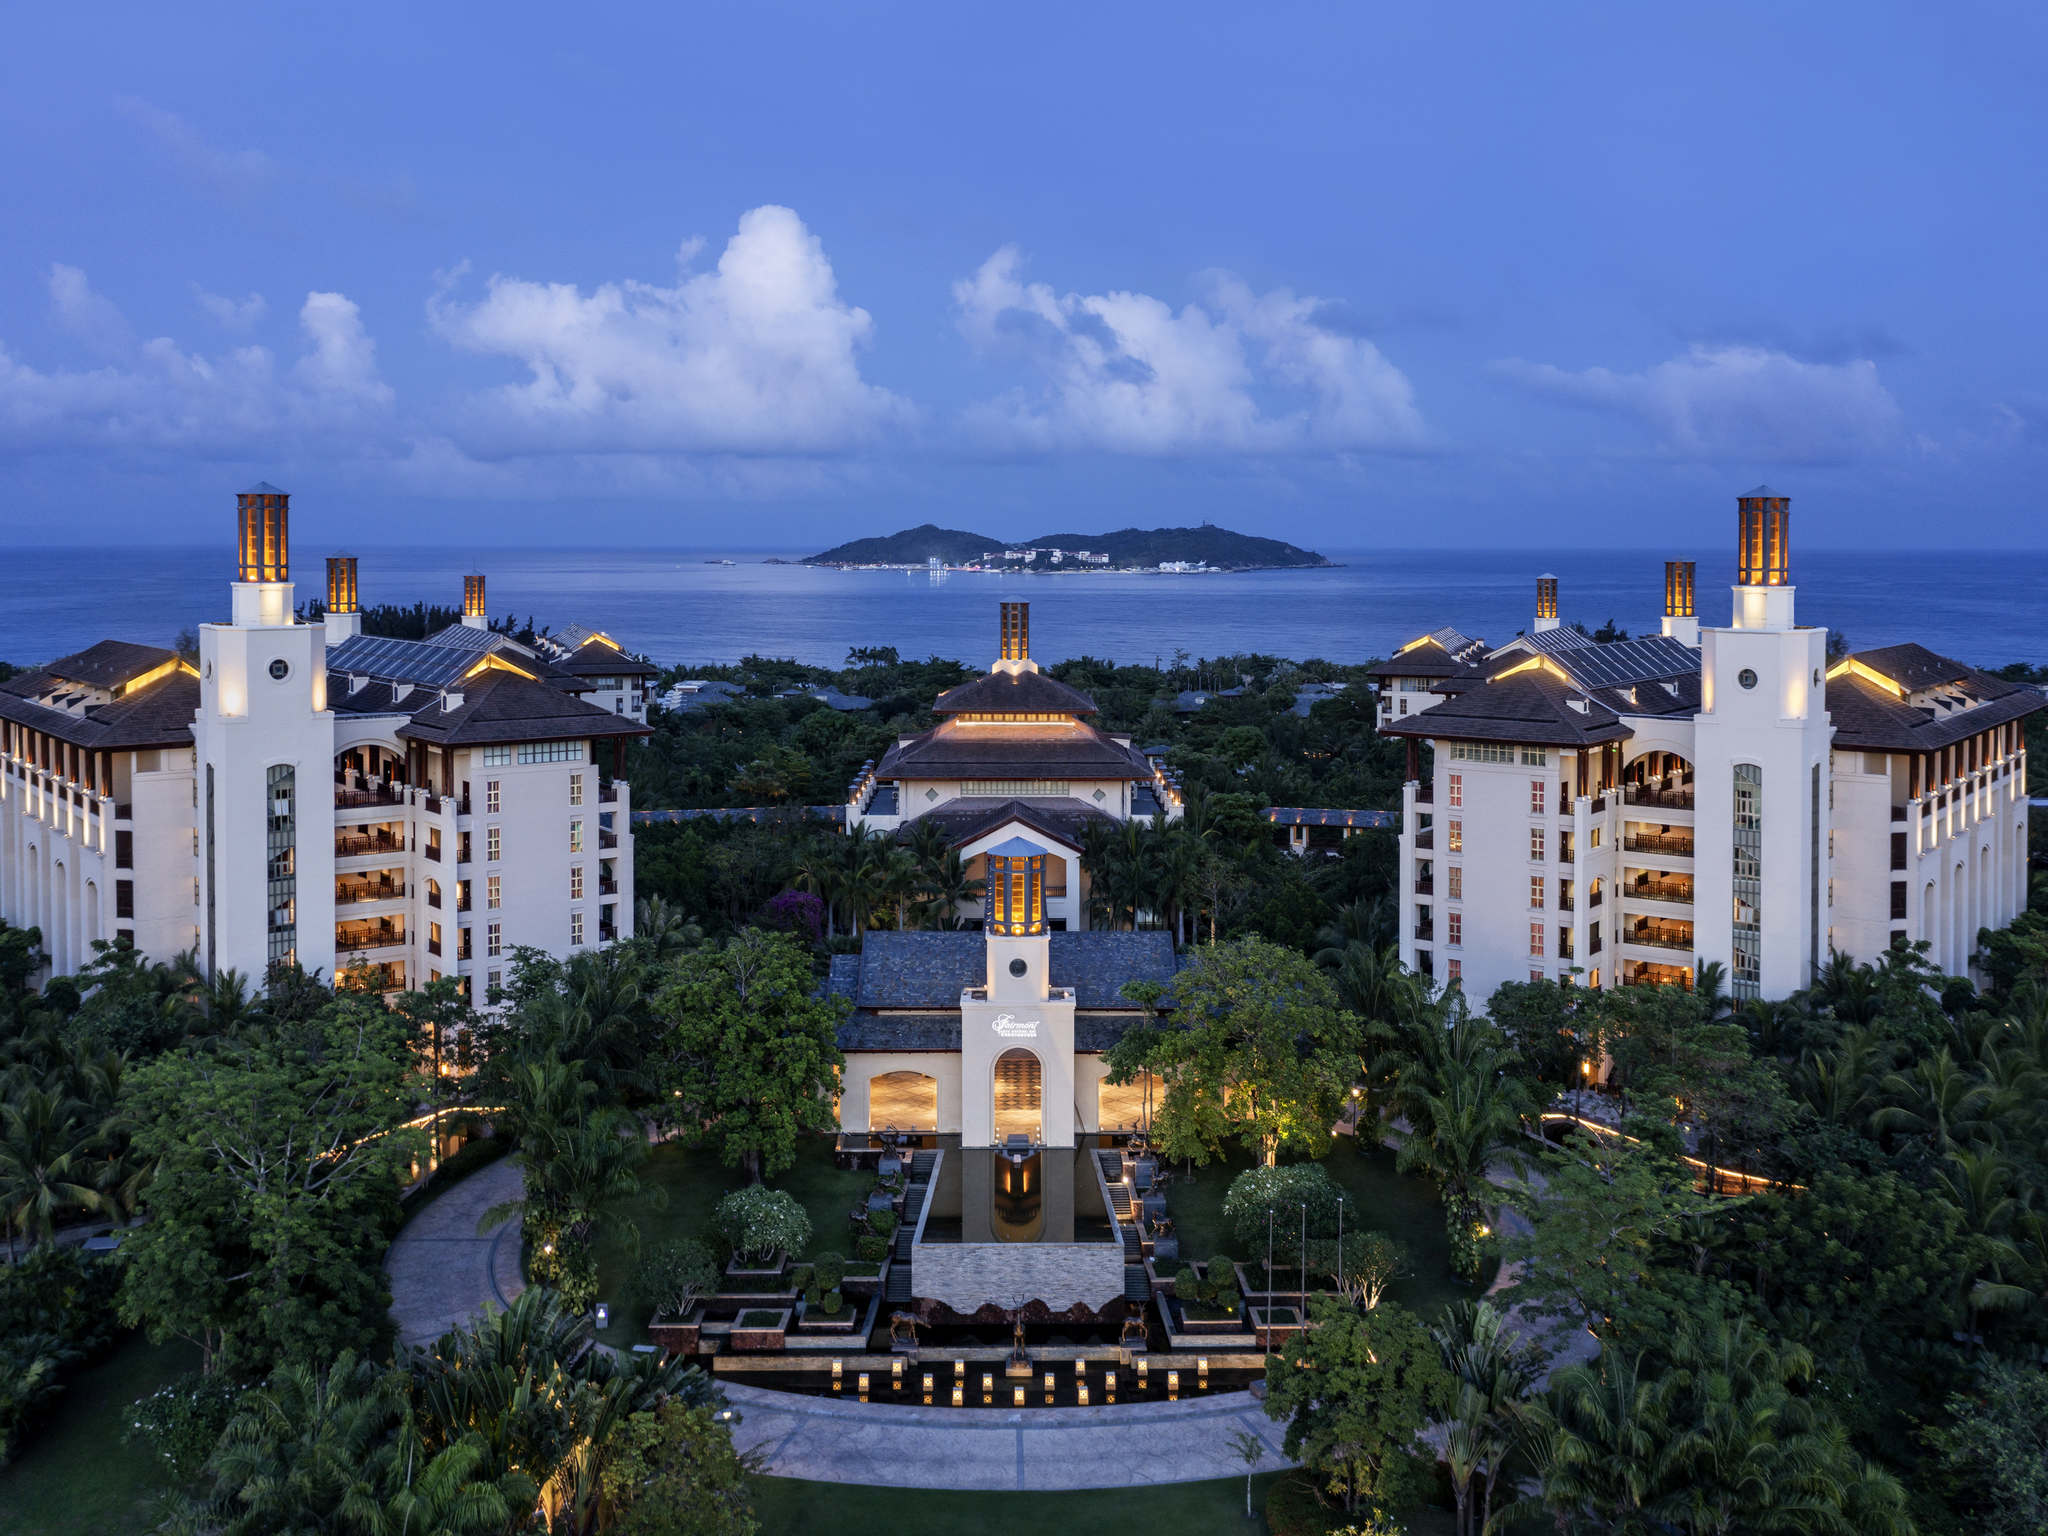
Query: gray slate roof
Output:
(956,751)
(930,969)
(1531,706)
(1014,693)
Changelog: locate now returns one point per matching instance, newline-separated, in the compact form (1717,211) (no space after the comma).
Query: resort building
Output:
(1617,813)
(379,811)
(1014,756)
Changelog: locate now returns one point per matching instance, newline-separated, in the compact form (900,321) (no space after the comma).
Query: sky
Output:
(775,276)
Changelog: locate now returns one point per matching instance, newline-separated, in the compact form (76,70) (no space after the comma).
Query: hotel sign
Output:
(1010,1027)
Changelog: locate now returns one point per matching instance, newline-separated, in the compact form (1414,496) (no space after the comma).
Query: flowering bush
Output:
(796,912)
(181,1423)
(1283,1191)
(757,1220)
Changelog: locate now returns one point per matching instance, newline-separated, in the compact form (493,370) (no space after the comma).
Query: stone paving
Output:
(1036,1449)
(442,1271)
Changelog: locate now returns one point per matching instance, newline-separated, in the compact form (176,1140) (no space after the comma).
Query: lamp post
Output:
(1340,1246)
(1269,1280)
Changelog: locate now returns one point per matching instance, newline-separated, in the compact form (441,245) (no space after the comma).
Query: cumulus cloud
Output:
(237,315)
(1737,402)
(156,396)
(1126,373)
(757,355)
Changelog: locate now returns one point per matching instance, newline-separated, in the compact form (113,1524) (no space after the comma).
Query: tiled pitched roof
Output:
(877,1030)
(109,663)
(1913,667)
(1872,718)
(158,714)
(597,658)
(953,750)
(967,820)
(929,969)
(501,707)
(1014,693)
(1532,706)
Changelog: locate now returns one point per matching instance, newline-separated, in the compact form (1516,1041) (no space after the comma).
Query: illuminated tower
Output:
(344,609)
(473,601)
(265,753)
(1013,653)
(1761,749)
(1546,603)
(1681,618)
(1016,1028)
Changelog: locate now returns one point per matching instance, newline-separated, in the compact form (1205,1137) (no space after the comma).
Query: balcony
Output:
(1643,973)
(1426,932)
(363,938)
(348,893)
(432,851)
(1660,935)
(385,976)
(357,842)
(1425,792)
(433,896)
(608,792)
(607,839)
(1648,887)
(1426,838)
(1425,886)
(1675,797)
(1675,844)
(610,888)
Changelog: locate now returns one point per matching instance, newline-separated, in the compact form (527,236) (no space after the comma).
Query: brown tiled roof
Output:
(966,820)
(1872,718)
(500,707)
(1426,660)
(1020,693)
(595,658)
(158,714)
(1532,706)
(952,750)
(109,663)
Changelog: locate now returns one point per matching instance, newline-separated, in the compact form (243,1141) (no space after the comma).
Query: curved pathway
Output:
(1034,1449)
(442,1271)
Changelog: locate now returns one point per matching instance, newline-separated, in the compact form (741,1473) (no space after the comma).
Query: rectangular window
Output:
(1898,898)
(1536,844)
(551,752)
(497,757)
(1457,791)
(494,983)
(1536,891)
(494,845)
(1481,752)
(494,800)
(124,849)
(1594,979)
(124,898)
(575,789)
(1455,836)
(494,891)
(494,940)
(1454,928)
(576,837)
(1536,940)
(1454,969)
(575,882)
(433,938)
(465,940)
(1535,757)
(1535,975)
(1746,974)
(1898,850)
(282,865)
(575,927)
(1457,879)
(1536,788)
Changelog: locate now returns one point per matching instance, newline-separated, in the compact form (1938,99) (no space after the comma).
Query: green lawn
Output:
(786,1507)
(692,1182)
(76,1478)
(1405,1208)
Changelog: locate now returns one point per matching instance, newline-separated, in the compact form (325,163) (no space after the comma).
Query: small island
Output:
(1176,550)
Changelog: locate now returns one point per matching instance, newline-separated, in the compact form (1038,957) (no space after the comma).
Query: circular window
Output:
(1018,967)
(280,669)
(1746,677)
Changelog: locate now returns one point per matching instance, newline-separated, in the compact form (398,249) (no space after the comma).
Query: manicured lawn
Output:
(694,1181)
(1376,1197)
(786,1507)
(76,1478)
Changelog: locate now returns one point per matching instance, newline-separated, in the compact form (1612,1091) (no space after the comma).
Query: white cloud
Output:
(233,175)
(758,355)
(1124,372)
(1738,402)
(156,397)
(237,315)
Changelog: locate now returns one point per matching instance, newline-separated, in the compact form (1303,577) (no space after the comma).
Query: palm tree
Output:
(818,870)
(948,887)
(1595,1442)
(1373,984)
(1494,1374)
(863,880)
(438,1495)
(664,929)
(1938,1099)
(47,1155)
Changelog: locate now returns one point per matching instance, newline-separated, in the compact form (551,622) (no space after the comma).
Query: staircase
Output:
(1137,1285)
(1112,1164)
(916,1188)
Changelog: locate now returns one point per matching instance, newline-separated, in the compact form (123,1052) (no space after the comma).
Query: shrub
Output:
(827,1270)
(675,1276)
(56,1312)
(831,1302)
(1371,1261)
(1187,1284)
(757,1220)
(871,1247)
(181,1423)
(882,1223)
(1283,1191)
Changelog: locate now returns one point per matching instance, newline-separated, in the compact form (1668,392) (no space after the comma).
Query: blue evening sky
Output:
(770,276)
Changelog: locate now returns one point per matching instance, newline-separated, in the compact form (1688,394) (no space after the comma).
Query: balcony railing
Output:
(433,897)
(378,890)
(607,839)
(1426,838)
(361,940)
(1425,887)
(608,792)
(1659,937)
(348,846)
(609,887)
(1677,797)
(1567,901)
(433,851)
(1661,890)
(1598,895)
(1658,842)
(1425,792)
(1426,932)
(349,799)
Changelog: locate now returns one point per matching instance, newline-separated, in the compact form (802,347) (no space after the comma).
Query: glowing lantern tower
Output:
(1017,1030)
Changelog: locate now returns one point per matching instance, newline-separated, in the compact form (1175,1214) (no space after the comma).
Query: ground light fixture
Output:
(1172,1385)
(1109,1386)
(604,1315)
(927,1389)
(863,1384)
(988,1387)
(1017,1397)
(838,1374)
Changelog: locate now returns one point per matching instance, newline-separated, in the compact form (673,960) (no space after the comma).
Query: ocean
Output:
(679,606)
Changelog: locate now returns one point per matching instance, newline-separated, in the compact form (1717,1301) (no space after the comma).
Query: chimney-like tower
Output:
(263,593)
(1014,649)
(344,610)
(1546,602)
(1763,560)
(473,601)
(1681,617)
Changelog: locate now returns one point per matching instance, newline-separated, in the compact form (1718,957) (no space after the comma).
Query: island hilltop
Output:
(1207,548)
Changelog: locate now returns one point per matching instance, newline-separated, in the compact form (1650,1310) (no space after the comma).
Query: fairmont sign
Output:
(1010,1027)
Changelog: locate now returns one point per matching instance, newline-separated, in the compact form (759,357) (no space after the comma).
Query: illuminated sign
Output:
(1010,1027)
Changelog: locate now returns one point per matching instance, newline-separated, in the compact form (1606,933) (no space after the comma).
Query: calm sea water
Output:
(1987,609)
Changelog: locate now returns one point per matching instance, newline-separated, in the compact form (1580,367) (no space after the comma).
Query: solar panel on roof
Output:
(400,661)
(1628,661)
(462,637)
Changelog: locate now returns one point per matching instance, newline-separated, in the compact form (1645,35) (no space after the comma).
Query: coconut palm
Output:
(1938,1098)
(48,1148)
(1494,1373)
(1595,1442)
(948,887)
(436,1495)
(819,871)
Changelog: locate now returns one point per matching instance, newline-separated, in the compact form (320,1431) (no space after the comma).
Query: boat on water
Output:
(721,562)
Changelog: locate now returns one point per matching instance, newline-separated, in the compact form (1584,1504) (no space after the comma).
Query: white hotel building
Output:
(374,810)
(1624,812)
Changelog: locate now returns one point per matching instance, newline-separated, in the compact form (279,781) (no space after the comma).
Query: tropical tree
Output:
(1492,1373)
(48,1151)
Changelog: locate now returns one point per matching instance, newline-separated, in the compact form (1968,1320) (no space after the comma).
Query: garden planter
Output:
(677,1336)
(759,1330)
